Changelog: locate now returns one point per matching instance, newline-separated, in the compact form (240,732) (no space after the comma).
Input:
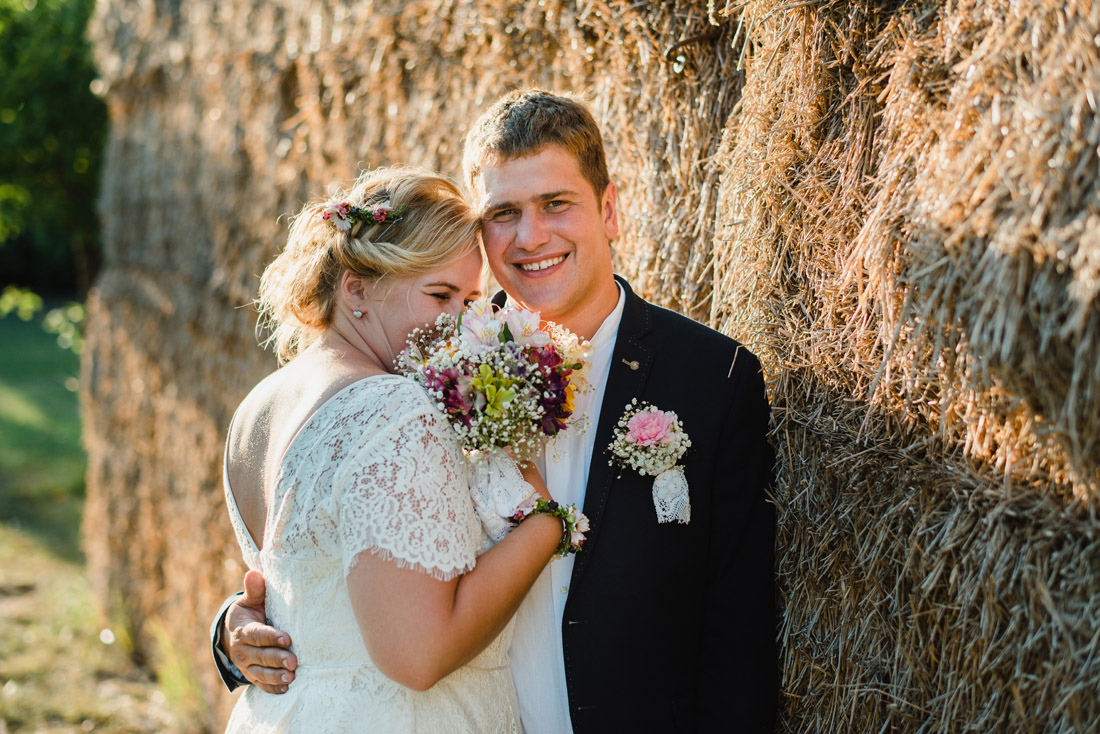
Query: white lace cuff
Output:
(498,489)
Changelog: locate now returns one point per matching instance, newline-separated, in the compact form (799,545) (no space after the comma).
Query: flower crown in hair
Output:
(343,215)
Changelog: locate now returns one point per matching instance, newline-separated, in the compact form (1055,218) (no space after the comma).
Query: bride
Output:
(348,490)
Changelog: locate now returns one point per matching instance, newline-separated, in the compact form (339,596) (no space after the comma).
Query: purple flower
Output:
(458,399)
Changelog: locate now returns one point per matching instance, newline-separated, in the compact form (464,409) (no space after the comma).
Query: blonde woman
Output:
(348,490)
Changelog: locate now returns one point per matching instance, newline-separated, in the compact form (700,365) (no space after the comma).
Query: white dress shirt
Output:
(536,657)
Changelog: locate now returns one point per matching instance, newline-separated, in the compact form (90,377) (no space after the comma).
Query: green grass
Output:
(42,461)
(61,668)
(59,671)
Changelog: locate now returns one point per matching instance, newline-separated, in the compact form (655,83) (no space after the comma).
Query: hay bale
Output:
(910,225)
(829,182)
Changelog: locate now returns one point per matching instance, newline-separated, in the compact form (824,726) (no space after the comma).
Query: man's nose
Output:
(532,231)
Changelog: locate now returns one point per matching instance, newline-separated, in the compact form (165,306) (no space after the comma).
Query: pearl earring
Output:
(357,314)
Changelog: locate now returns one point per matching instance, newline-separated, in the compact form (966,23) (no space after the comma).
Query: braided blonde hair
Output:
(299,290)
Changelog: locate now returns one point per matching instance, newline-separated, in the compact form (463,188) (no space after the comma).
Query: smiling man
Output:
(546,234)
(656,626)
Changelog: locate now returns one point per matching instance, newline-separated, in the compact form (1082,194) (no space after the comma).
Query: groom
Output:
(654,627)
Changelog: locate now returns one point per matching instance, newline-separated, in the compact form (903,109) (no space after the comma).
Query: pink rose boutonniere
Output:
(651,442)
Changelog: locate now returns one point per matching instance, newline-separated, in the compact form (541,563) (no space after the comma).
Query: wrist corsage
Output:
(651,442)
(574,522)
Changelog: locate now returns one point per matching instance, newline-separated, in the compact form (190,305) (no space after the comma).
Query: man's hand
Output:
(256,648)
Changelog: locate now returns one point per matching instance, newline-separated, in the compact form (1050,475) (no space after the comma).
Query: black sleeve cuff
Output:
(229,672)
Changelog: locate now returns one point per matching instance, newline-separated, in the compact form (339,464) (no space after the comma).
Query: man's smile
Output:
(539,265)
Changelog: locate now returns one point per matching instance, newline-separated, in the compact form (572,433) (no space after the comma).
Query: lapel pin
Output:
(632,364)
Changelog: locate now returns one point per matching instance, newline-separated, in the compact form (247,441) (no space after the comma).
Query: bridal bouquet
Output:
(501,379)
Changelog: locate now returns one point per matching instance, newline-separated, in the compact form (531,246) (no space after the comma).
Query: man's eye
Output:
(502,215)
(556,204)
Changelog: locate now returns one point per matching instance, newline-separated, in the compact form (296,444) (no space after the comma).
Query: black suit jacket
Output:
(671,627)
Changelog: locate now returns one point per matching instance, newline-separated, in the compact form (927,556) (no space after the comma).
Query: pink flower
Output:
(480,308)
(524,326)
(525,509)
(650,427)
(380,215)
(337,215)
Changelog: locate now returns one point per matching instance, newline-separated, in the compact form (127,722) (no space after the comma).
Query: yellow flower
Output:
(569,391)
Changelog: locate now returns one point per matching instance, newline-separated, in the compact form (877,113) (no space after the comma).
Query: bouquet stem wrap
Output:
(498,490)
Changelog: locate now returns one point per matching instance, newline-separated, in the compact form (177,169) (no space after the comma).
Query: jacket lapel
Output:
(630,363)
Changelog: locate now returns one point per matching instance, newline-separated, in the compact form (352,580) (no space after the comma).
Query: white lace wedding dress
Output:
(376,467)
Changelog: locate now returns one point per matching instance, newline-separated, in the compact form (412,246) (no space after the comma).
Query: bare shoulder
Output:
(259,410)
(271,414)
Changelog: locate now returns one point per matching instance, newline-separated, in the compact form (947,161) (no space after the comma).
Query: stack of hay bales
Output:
(895,206)
(911,239)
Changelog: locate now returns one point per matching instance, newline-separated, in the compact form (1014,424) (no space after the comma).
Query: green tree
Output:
(52,132)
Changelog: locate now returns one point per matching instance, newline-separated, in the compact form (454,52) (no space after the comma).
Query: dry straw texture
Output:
(909,237)
(894,205)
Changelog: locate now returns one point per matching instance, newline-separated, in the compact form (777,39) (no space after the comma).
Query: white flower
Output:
(336,214)
(480,308)
(524,326)
(481,333)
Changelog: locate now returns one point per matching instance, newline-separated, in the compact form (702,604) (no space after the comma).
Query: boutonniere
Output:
(651,441)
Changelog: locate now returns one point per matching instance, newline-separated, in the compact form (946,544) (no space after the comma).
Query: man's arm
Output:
(738,676)
(248,650)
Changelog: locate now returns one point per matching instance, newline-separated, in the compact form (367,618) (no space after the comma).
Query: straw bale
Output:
(908,236)
(895,205)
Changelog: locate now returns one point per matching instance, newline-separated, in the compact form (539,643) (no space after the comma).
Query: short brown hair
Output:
(300,288)
(525,122)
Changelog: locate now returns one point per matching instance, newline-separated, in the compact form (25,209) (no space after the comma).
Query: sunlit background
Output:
(893,204)
(62,668)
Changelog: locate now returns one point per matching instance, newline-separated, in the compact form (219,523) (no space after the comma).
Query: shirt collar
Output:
(610,327)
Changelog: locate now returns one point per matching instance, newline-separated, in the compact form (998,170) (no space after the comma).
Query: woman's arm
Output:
(419,629)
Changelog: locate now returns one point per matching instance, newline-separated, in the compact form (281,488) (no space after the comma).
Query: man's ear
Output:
(610,208)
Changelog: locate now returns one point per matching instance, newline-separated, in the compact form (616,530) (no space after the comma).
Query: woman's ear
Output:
(355,293)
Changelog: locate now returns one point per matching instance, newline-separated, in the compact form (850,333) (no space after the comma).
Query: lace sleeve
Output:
(404,496)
